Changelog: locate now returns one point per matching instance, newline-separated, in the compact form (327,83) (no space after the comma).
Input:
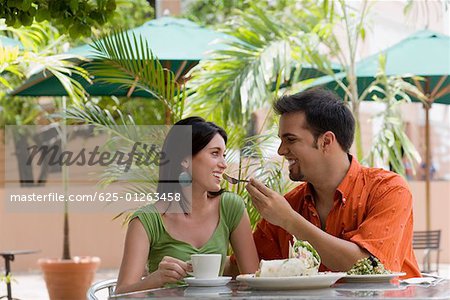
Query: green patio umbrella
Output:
(178,43)
(425,54)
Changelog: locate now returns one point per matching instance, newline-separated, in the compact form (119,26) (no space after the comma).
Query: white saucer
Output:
(207,291)
(222,280)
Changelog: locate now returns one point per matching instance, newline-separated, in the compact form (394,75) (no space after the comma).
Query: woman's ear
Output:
(185,163)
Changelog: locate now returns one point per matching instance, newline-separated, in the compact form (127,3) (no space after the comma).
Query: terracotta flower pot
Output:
(69,279)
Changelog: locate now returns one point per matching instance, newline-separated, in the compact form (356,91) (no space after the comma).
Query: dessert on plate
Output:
(303,261)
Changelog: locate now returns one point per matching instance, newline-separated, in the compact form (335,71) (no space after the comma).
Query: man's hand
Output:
(272,206)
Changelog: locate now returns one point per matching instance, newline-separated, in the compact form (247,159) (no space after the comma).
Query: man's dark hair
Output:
(324,111)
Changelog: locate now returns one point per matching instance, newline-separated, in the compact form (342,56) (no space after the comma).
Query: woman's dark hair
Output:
(176,149)
(324,111)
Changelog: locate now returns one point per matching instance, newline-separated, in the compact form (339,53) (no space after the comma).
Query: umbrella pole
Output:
(427,166)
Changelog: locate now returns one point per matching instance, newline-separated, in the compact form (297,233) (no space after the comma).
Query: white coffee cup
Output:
(206,265)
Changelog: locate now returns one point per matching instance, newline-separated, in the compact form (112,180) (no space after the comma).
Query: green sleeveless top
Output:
(162,244)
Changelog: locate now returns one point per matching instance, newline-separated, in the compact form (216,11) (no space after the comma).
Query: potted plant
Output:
(66,278)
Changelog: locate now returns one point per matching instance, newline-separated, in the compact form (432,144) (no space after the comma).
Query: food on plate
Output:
(303,260)
(368,266)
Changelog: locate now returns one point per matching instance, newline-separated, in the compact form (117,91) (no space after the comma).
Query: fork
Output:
(233,180)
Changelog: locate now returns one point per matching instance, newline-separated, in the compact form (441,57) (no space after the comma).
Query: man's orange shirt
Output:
(372,208)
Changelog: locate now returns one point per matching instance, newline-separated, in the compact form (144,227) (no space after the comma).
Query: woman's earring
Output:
(185,179)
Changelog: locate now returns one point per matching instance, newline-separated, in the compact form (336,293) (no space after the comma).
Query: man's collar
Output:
(347,184)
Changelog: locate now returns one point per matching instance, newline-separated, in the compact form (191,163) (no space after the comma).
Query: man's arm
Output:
(337,254)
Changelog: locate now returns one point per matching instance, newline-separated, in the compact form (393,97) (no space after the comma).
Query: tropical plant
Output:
(341,34)
(391,146)
(20,64)
(138,69)
(126,59)
(255,158)
(231,84)
(40,43)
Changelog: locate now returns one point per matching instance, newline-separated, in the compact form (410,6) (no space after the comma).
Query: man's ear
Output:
(328,138)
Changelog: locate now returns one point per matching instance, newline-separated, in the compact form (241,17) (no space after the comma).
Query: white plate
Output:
(373,277)
(192,281)
(322,280)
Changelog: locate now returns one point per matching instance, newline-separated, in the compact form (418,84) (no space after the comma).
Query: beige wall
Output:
(91,234)
(440,208)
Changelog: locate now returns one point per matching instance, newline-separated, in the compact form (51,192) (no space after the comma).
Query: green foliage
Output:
(127,60)
(6,279)
(216,12)
(340,33)
(391,145)
(256,158)
(213,12)
(73,16)
(144,111)
(231,84)
(129,14)
(40,42)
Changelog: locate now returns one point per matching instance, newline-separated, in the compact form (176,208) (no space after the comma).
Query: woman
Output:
(163,236)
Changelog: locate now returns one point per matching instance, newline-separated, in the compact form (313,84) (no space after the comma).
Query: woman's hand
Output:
(137,247)
(170,270)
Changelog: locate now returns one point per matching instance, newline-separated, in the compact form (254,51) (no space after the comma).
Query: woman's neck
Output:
(197,196)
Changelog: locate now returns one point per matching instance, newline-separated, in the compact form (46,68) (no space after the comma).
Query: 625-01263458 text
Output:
(97,196)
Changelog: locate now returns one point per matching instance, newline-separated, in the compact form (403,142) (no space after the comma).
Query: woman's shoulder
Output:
(232,208)
(231,195)
(231,202)
(230,198)
(150,218)
(147,214)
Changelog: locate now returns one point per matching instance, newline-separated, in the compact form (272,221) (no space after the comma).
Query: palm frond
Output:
(127,60)
(232,83)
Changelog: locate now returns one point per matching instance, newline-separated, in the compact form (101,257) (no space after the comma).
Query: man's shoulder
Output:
(377,177)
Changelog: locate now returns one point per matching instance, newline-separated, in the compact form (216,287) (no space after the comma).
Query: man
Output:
(346,211)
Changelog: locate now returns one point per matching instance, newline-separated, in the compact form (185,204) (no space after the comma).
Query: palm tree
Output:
(126,59)
(233,83)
